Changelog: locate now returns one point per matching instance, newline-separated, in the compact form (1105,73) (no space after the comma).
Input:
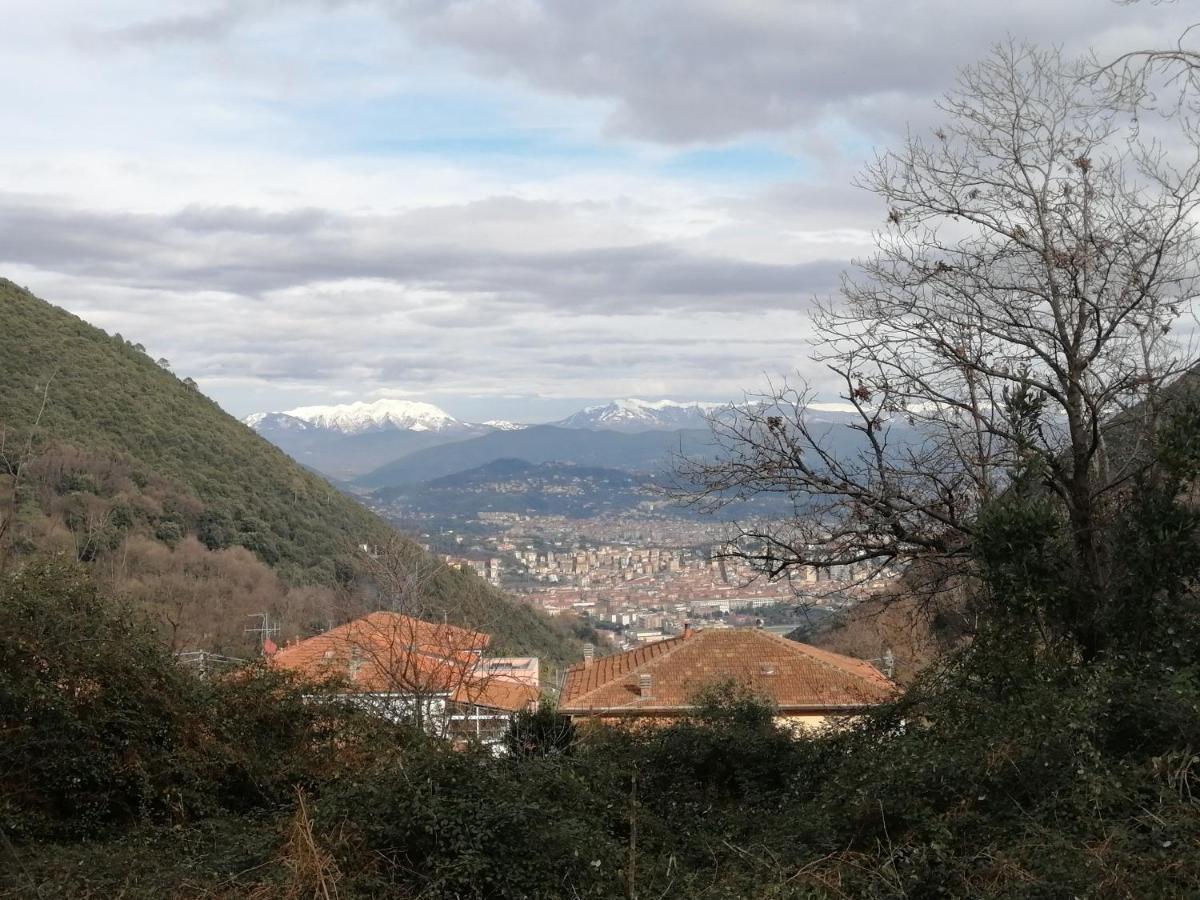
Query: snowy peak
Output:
(276,421)
(503,425)
(642,415)
(360,417)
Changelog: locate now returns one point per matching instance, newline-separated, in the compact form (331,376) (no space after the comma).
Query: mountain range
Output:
(647,452)
(643,415)
(368,446)
(349,441)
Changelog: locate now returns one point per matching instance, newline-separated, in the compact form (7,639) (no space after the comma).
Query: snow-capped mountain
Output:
(642,415)
(360,417)
(276,421)
(348,439)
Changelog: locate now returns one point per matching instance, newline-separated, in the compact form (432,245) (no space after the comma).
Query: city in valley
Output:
(639,579)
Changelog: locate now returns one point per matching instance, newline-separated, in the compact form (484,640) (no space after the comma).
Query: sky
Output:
(508,208)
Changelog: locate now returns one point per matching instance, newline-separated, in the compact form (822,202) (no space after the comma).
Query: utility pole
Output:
(265,630)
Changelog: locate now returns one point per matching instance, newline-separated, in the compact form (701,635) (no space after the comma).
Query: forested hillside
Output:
(109,457)
(104,394)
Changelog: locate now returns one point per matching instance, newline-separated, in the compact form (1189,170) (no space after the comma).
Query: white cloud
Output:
(473,201)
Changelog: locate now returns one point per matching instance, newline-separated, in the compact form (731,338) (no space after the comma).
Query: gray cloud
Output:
(663,285)
(244,220)
(685,71)
(249,252)
(316,302)
(710,71)
(208,25)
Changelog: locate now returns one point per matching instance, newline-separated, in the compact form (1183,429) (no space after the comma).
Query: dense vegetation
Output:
(1048,753)
(109,458)
(1016,767)
(104,394)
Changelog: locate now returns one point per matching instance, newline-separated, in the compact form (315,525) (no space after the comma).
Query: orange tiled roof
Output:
(388,652)
(795,676)
(583,678)
(497,692)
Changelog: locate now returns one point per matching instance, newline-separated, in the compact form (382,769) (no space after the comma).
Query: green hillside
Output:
(105,395)
(131,457)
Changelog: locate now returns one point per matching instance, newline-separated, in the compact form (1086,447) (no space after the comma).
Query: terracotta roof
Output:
(388,652)
(497,692)
(795,676)
(583,678)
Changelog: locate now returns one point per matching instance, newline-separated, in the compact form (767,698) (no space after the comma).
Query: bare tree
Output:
(403,576)
(406,660)
(16,453)
(408,668)
(1021,297)
(1164,78)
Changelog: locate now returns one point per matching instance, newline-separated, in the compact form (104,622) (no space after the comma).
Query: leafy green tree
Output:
(540,732)
(169,532)
(215,529)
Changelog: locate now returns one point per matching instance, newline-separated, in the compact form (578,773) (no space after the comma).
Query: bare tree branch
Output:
(1020,299)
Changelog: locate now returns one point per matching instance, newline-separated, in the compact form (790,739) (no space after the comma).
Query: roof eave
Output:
(636,711)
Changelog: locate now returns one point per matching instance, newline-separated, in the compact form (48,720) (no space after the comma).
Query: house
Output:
(660,681)
(525,669)
(406,669)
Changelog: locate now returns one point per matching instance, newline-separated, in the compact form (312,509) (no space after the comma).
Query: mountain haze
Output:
(648,451)
(517,486)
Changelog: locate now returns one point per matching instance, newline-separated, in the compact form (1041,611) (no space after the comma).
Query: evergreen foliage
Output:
(1020,766)
(104,396)
(127,456)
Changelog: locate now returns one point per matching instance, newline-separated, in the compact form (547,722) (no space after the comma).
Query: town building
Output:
(660,681)
(432,675)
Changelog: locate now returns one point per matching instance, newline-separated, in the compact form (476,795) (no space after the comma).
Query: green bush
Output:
(1017,767)
(102,728)
(92,708)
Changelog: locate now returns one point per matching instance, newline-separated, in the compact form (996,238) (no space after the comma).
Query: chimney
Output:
(687,629)
(589,654)
(646,686)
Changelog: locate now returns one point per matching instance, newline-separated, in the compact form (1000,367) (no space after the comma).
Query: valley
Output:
(581,518)
(530,450)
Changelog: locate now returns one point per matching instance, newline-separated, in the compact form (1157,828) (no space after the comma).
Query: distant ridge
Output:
(361,416)
(645,451)
(633,415)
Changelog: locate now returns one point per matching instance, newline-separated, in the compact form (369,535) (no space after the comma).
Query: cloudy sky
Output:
(505,207)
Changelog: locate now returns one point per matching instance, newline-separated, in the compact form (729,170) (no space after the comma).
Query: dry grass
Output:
(312,873)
